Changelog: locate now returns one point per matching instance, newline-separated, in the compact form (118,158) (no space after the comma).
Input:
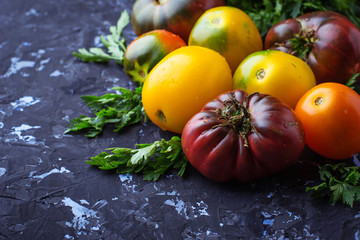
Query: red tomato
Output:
(327,41)
(330,114)
(240,136)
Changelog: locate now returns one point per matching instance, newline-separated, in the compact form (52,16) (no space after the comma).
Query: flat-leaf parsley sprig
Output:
(340,183)
(115,44)
(150,159)
(119,109)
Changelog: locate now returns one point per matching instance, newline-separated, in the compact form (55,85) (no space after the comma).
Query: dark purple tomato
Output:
(327,41)
(176,16)
(147,50)
(243,137)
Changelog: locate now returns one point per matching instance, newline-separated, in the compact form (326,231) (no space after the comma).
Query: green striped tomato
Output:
(176,16)
(147,50)
(229,31)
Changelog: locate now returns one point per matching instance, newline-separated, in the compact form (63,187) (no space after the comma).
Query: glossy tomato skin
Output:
(276,73)
(221,152)
(330,113)
(182,83)
(229,31)
(147,50)
(175,16)
(335,52)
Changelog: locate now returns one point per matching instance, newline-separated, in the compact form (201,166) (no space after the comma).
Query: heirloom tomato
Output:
(147,50)
(330,113)
(243,137)
(275,73)
(173,15)
(229,31)
(181,83)
(327,41)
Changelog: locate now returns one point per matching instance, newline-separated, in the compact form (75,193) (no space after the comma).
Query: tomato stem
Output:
(236,116)
(160,2)
(161,116)
(303,42)
(318,101)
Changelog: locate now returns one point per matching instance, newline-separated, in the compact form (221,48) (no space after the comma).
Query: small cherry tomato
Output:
(278,74)
(181,83)
(330,114)
(147,50)
(229,31)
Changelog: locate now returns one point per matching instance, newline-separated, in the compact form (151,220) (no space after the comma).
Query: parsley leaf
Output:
(115,43)
(119,109)
(153,160)
(354,82)
(340,183)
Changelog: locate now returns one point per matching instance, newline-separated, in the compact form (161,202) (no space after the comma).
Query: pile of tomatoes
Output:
(244,108)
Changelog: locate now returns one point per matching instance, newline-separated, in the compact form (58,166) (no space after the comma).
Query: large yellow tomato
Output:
(276,73)
(229,31)
(182,83)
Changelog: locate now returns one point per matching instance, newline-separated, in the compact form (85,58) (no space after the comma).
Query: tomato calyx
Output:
(139,73)
(236,116)
(301,44)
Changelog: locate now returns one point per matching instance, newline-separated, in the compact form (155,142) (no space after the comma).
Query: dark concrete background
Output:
(47,191)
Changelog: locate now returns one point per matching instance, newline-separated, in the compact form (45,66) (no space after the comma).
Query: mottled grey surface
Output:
(47,191)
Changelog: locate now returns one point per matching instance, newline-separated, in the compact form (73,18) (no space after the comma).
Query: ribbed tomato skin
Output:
(175,16)
(335,54)
(221,154)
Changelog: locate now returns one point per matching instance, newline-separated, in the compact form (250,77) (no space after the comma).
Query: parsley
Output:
(119,109)
(340,183)
(353,82)
(114,43)
(153,160)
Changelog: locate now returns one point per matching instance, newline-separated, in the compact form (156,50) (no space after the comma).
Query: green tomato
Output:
(147,50)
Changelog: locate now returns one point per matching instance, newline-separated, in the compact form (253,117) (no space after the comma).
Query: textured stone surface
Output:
(47,191)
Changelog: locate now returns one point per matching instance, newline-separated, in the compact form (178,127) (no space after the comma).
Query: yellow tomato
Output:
(229,31)
(276,73)
(182,83)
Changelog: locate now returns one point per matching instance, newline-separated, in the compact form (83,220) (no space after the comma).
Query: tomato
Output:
(175,16)
(330,113)
(147,50)
(276,73)
(229,31)
(181,83)
(327,41)
(243,137)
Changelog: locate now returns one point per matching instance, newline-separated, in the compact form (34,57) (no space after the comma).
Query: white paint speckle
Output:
(17,131)
(84,218)
(56,73)
(2,171)
(83,201)
(25,101)
(42,64)
(16,66)
(32,12)
(44,175)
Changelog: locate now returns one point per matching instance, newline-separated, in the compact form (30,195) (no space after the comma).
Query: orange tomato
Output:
(330,114)
(182,83)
